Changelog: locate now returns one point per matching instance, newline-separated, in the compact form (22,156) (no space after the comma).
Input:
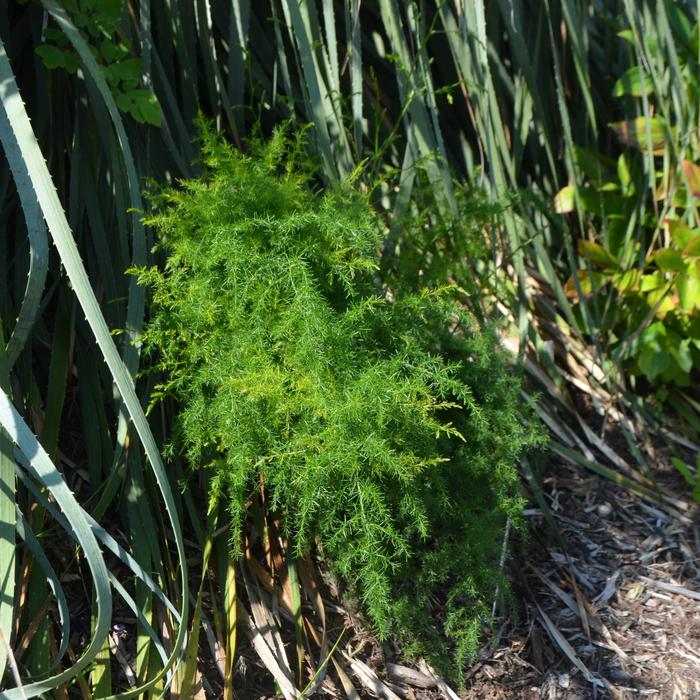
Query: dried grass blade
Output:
(266,637)
(444,689)
(559,639)
(671,588)
(348,687)
(310,586)
(266,654)
(370,679)
(567,600)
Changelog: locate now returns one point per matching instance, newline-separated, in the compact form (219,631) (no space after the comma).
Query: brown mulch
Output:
(614,613)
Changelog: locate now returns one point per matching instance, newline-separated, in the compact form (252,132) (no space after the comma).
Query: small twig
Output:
(501,564)
(116,647)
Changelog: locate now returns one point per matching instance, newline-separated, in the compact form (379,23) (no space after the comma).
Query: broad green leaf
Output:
(125,103)
(52,57)
(653,362)
(128,69)
(661,301)
(635,81)
(654,334)
(56,37)
(688,286)
(564,200)
(681,234)
(651,281)
(626,281)
(669,259)
(642,133)
(692,250)
(589,282)
(112,51)
(597,254)
(146,104)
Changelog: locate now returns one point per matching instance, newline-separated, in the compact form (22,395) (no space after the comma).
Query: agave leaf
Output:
(38,251)
(7,524)
(45,193)
(20,434)
(29,538)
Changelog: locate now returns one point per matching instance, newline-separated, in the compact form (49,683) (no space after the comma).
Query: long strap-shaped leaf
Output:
(7,522)
(413,90)
(45,192)
(23,471)
(332,141)
(31,541)
(23,437)
(38,252)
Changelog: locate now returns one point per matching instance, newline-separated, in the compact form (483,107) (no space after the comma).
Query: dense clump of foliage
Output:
(384,427)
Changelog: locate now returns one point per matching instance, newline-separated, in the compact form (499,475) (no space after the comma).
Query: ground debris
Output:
(621,600)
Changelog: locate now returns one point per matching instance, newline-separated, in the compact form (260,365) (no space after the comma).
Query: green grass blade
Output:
(332,44)
(58,375)
(238,49)
(354,32)
(215,81)
(7,523)
(136,303)
(328,129)
(413,93)
(578,35)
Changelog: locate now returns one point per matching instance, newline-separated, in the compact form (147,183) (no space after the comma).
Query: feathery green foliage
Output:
(386,428)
